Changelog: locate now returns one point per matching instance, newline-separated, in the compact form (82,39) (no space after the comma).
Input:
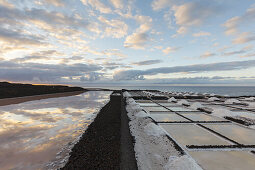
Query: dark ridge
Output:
(8,90)
(99,147)
(176,146)
(240,121)
(219,146)
(166,122)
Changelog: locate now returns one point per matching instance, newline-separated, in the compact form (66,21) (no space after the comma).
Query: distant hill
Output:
(8,90)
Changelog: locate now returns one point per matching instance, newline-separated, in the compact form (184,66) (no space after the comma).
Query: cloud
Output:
(12,71)
(136,40)
(207,54)
(139,39)
(41,16)
(244,38)
(40,55)
(58,3)
(98,5)
(5,3)
(194,14)
(248,55)
(160,4)
(170,50)
(114,28)
(241,51)
(147,62)
(232,25)
(201,34)
(91,77)
(224,66)
(117,3)
(16,38)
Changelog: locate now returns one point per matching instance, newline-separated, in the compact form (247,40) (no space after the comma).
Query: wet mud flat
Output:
(99,147)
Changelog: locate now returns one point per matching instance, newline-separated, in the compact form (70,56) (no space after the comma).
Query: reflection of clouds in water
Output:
(31,133)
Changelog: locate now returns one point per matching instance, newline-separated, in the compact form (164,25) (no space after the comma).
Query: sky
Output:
(83,42)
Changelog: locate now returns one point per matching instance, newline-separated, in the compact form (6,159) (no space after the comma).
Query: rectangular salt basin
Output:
(169,112)
(155,109)
(224,160)
(167,117)
(237,133)
(149,104)
(168,104)
(143,101)
(160,101)
(202,117)
(190,134)
(189,112)
(179,109)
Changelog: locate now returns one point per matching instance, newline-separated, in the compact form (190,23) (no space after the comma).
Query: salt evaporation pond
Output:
(39,134)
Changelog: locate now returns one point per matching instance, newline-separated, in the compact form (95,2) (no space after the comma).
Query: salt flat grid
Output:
(205,123)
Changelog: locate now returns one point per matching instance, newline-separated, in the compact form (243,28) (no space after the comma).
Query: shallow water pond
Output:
(202,117)
(169,112)
(143,101)
(190,134)
(224,160)
(179,109)
(168,104)
(149,104)
(238,133)
(155,109)
(36,133)
(167,117)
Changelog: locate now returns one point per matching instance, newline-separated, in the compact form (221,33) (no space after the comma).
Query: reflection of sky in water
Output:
(167,117)
(32,133)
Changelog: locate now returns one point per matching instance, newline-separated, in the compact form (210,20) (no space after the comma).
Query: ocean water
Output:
(221,90)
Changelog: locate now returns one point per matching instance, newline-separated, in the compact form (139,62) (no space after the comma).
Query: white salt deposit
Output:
(142,114)
(181,102)
(213,99)
(249,98)
(172,99)
(184,162)
(153,130)
(232,101)
(126,94)
(196,105)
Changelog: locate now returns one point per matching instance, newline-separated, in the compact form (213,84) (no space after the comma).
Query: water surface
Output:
(39,134)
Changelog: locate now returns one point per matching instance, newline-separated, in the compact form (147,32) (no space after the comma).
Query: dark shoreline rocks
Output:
(99,147)
(9,90)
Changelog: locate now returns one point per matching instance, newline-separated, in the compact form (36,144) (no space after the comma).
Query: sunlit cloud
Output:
(201,34)
(207,54)
(98,5)
(147,62)
(170,50)
(245,37)
(224,66)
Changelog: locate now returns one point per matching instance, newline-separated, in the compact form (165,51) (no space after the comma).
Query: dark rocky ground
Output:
(99,147)
(8,90)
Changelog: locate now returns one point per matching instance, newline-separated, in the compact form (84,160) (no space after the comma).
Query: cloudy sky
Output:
(127,41)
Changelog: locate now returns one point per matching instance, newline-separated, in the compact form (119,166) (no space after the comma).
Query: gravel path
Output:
(99,147)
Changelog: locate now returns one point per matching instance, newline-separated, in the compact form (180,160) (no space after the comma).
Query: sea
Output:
(220,90)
